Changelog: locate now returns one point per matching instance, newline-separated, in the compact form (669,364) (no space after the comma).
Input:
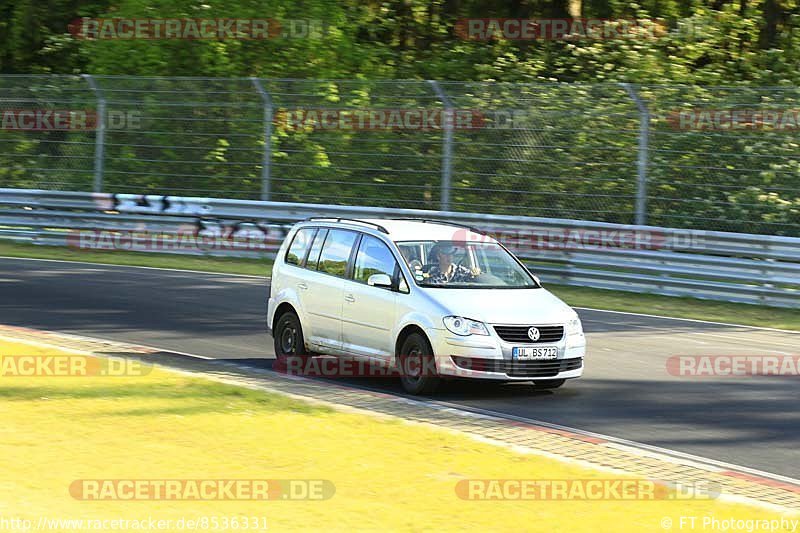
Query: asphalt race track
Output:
(626,390)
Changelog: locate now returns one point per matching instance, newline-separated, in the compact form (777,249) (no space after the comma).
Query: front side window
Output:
(464,265)
(373,257)
(336,252)
(299,247)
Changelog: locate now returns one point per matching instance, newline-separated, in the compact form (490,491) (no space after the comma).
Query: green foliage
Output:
(582,141)
(694,43)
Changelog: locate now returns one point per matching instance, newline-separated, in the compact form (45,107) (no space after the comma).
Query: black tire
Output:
(549,384)
(290,348)
(417,365)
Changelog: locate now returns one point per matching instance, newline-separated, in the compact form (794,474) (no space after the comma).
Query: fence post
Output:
(447,144)
(266,162)
(100,133)
(644,137)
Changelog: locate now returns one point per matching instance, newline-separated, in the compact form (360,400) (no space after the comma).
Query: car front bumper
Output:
(490,357)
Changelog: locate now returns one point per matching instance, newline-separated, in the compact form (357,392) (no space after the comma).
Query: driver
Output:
(445,271)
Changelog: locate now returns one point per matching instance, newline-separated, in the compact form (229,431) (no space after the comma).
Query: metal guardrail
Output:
(759,269)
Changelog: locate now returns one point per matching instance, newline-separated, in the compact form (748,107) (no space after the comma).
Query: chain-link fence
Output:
(696,157)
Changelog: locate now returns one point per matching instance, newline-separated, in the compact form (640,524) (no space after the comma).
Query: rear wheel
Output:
(549,384)
(290,348)
(417,365)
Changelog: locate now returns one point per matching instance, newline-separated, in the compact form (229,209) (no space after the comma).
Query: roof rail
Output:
(443,222)
(341,219)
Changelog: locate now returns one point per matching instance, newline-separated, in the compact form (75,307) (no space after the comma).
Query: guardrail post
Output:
(100,133)
(447,145)
(644,137)
(266,184)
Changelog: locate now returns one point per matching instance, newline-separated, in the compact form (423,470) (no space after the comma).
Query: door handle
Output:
(349,298)
(302,286)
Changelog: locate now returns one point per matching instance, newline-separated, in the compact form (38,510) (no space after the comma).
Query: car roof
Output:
(413,230)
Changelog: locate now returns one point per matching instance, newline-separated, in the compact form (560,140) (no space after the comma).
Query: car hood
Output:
(503,306)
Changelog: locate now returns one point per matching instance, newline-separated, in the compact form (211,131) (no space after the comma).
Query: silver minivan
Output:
(429,299)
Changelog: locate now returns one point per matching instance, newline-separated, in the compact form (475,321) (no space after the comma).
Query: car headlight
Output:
(464,326)
(574,327)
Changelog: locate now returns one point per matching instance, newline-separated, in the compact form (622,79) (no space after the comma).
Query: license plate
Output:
(534,353)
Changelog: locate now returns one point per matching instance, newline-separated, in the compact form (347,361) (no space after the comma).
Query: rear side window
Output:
(336,252)
(316,248)
(300,243)
(373,257)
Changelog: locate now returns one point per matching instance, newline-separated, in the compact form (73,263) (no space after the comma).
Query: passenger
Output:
(411,260)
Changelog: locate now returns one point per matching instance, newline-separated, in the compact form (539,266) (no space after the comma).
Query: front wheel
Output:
(417,365)
(290,348)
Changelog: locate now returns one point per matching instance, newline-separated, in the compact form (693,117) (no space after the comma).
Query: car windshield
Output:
(464,265)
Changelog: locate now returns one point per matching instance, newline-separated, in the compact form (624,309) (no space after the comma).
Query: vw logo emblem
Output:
(533,334)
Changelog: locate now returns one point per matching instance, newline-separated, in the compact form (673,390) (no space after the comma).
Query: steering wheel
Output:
(461,264)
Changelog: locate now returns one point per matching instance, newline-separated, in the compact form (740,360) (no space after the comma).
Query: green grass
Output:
(165,425)
(754,315)
(198,395)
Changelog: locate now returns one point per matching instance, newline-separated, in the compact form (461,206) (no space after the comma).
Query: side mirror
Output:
(380,280)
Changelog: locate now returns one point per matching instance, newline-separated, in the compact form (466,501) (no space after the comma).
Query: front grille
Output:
(519,334)
(520,369)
